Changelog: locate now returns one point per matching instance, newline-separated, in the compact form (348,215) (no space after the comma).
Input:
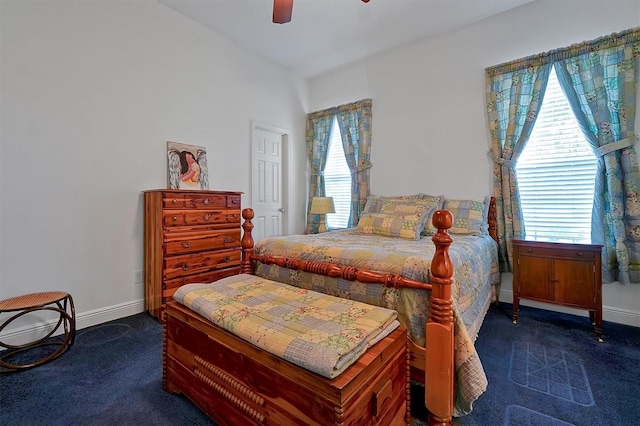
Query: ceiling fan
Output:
(282,10)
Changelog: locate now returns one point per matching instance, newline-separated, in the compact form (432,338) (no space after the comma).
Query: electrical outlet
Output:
(138,277)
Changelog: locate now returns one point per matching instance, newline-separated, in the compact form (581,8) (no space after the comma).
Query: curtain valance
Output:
(630,37)
(362,105)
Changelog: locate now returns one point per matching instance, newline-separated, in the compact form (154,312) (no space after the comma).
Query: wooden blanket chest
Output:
(236,383)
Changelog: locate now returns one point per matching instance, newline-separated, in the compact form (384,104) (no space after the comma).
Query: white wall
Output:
(91,92)
(429,115)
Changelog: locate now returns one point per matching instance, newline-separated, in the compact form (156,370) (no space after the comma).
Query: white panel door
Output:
(267,175)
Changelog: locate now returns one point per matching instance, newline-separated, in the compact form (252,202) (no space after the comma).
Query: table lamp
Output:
(322,206)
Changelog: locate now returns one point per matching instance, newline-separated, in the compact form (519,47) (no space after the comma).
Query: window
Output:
(556,174)
(337,178)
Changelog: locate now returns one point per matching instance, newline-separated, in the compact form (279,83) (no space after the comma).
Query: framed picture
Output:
(187,166)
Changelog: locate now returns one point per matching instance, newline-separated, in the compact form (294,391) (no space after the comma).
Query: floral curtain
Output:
(318,132)
(599,79)
(514,96)
(355,127)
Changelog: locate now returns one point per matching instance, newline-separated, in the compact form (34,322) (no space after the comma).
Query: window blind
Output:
(556,174)
(337,178)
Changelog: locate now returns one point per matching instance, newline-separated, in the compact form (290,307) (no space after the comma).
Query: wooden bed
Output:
(433,364)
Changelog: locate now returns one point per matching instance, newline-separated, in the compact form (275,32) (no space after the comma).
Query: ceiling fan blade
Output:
(282,11)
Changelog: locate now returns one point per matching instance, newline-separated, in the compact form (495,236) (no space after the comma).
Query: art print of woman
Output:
(187,166)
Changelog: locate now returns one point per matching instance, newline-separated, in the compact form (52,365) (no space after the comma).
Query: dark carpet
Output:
(546,370)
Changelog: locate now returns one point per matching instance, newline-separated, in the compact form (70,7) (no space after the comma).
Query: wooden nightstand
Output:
(562,274)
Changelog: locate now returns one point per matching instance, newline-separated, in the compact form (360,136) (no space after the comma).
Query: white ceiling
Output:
(326,34)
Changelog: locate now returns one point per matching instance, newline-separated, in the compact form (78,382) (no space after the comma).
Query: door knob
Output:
(281,209)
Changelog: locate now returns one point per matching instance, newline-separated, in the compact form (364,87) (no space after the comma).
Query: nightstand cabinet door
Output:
(534,278)
(575,283)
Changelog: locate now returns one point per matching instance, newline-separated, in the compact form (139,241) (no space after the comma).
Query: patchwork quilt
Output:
(321,333)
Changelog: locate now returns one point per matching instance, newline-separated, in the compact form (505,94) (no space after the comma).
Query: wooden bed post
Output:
(440,368)
(246,264)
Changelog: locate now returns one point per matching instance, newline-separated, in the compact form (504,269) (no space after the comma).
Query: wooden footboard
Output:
(434,365)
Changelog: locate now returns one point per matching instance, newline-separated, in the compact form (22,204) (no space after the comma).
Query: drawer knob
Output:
(226,259)
(175,218)
(227,239)
(174,201)
(207,216)
(529,250)
(186,244)
(206,201)
(579,254)
(185,266)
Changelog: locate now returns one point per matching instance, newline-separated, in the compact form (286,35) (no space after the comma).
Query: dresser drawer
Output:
(173,218)
(557,253)
(199,241)
(201,217)
(195,263)
(205,201)
(173,201)
(233,201)
(206,217)
(178,200)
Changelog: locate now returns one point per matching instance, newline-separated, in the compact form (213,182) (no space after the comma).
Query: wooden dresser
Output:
(189,236)
(562,274)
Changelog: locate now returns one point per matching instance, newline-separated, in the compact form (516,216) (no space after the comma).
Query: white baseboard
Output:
(98,316)
(31,332)
(609,313)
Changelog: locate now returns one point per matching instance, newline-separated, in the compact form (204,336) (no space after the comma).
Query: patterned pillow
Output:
(469,216)
(393,224)
(403,207)
(374,203)
(429,229)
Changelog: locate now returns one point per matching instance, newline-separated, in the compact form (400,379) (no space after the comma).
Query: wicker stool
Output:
(57,301)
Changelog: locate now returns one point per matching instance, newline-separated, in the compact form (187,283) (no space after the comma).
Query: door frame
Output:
(285,137)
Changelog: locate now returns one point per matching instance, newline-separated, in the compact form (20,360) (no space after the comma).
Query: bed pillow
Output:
(374,202)
(398,225)
(428,228)
(403,207)
(469,216)
(374,205)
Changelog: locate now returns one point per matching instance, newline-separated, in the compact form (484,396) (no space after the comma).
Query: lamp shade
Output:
(322,205)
